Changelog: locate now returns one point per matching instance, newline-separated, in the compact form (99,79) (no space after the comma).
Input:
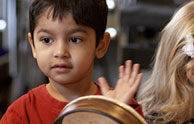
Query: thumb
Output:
(103,85)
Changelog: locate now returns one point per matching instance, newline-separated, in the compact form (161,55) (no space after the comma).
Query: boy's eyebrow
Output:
(44,30)
(69,32)
(77,30)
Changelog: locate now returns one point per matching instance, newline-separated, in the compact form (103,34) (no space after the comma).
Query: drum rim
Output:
(88,110)
(99,97)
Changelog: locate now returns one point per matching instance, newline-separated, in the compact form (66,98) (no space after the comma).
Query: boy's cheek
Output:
(34,54)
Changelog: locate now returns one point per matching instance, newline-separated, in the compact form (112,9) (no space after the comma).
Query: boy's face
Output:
(64,50)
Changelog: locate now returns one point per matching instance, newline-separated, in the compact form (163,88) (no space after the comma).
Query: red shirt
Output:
(38,107)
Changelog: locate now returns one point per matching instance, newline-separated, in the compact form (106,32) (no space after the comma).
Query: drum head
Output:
(96,109)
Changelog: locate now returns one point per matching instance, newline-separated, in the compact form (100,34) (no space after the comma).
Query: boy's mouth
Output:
(62,67)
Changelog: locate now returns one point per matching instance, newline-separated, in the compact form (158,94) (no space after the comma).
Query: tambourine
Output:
(96,109)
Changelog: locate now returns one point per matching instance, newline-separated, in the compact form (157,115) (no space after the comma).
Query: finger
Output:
(103,85)
(128,65)
(134,89)
(121,71)
(135,72)
(138,81)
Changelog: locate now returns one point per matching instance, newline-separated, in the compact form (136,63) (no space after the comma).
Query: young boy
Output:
(65,37)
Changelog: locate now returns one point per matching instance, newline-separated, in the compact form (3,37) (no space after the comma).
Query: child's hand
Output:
(127,84)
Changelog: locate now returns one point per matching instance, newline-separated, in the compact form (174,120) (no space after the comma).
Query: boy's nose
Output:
(61,51)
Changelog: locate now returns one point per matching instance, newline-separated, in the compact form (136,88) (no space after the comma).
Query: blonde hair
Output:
(168,96)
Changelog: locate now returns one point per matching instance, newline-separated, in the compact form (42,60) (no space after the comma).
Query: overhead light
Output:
(111,4)
(112,31)
(2,24)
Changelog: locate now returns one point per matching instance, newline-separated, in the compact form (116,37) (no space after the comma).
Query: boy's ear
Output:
(32,45)
(103,45)
(190,75)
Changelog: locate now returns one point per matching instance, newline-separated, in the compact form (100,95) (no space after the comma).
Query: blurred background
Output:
(134,25)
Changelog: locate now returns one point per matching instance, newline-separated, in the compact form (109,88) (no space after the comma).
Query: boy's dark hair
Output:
(92,13)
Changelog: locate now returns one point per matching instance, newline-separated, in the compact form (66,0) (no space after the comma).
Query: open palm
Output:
(127,84)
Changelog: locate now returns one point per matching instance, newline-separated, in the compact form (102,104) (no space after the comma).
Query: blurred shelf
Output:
(3,57)
(139,54)
(148,15)
(4,60)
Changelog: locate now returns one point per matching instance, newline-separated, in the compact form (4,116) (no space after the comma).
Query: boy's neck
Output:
(68,93)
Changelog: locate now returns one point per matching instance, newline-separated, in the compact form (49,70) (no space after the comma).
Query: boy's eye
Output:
(75,40)
(47,40)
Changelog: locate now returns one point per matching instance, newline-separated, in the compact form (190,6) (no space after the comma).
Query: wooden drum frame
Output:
(96,109)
